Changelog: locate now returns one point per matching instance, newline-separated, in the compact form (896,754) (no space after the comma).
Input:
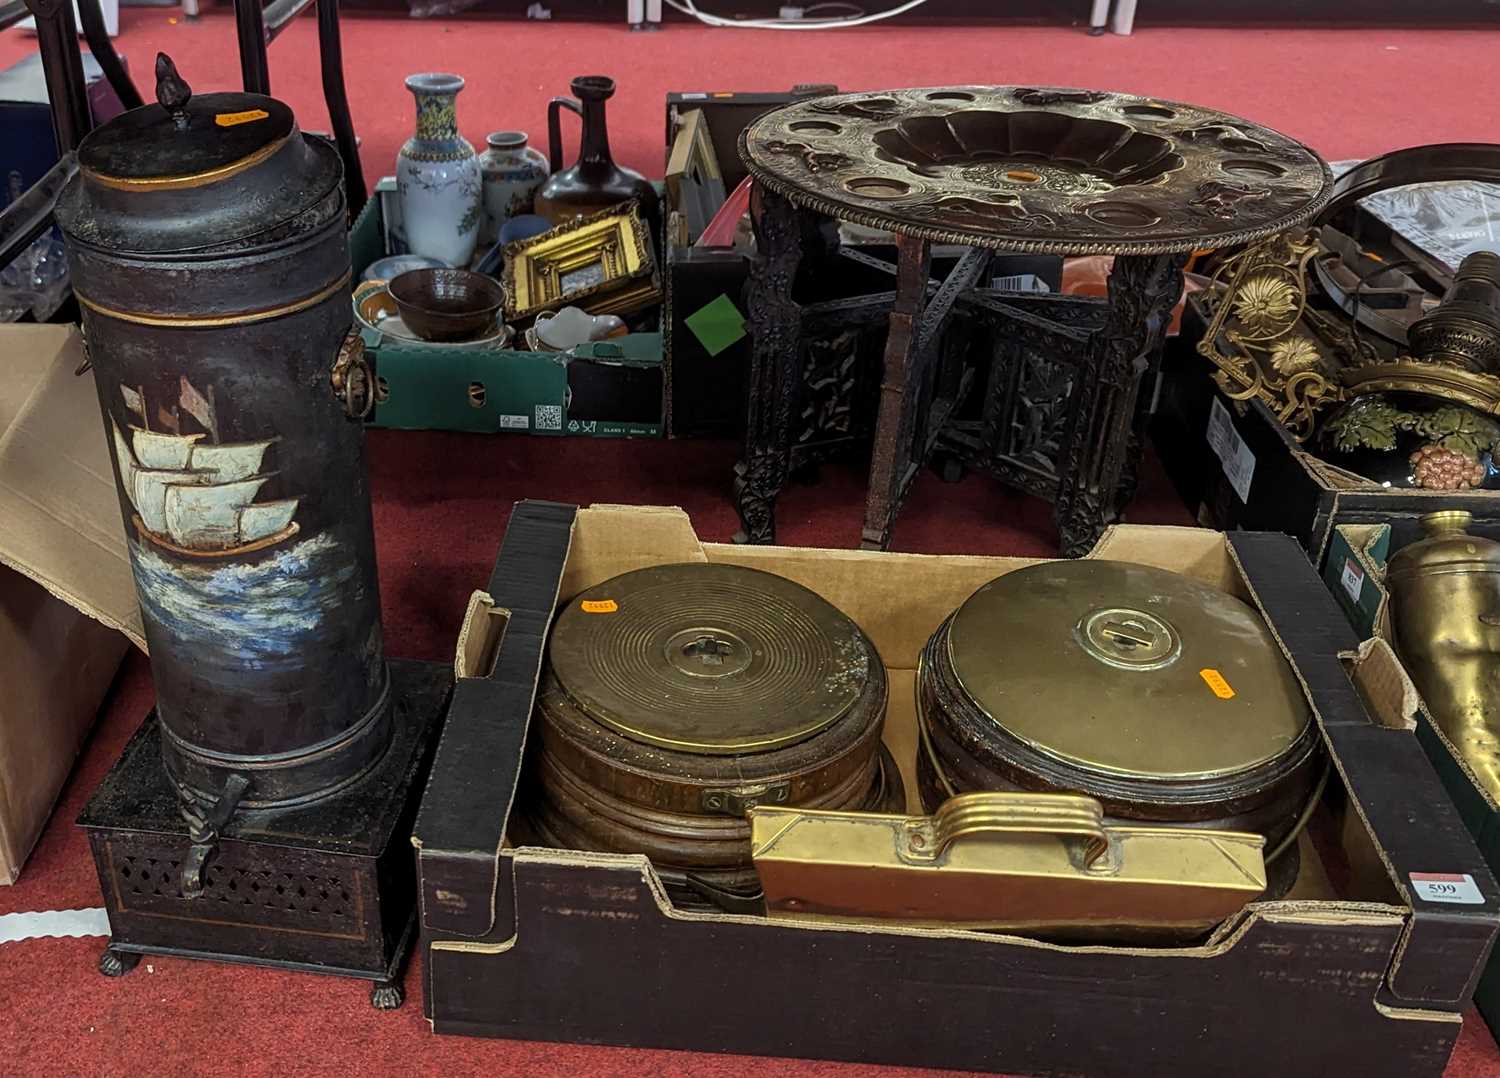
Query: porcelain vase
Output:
(513,173)
(437,176)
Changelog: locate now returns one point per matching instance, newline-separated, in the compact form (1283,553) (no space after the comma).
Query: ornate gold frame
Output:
(616,241)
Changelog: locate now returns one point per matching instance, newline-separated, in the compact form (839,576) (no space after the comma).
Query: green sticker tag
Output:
(717,324)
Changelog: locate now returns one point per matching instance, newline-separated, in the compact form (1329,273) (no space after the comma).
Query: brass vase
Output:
(1445,604)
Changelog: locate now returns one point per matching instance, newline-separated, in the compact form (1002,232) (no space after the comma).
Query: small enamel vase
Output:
(437,176)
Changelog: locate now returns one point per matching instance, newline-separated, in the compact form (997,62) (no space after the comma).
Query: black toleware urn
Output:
(261,813)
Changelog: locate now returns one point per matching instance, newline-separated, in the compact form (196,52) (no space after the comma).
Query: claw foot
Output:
(113,963)
(386,996)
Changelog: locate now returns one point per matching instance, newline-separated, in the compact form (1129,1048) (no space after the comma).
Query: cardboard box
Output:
(1355,574)
(611,389)
(1240,468)
(56,663)
(708,370)
(559,945)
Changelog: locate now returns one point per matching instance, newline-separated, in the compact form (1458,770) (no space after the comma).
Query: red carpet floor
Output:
(441,501)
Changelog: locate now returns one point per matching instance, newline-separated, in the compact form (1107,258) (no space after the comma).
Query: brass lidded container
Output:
(1164,699)
(677,697)
(1445,611)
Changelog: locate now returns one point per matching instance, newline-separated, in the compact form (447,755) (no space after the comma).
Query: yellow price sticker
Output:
(1216,682)
(233,119)
(599,606)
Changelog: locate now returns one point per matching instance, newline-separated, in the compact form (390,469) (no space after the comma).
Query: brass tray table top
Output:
(1038,170)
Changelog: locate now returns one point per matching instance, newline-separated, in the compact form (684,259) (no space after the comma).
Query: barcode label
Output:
(1230,448)
(549,417)
(1353,578)
(515,422)
(1020,282)
(1447,887)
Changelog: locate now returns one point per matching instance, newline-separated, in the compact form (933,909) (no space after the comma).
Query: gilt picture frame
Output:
(602,263)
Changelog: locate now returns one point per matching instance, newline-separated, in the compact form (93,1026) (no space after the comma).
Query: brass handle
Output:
(353,381)
(927,838)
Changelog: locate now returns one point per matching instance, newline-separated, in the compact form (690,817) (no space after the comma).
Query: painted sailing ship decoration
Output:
(194,494)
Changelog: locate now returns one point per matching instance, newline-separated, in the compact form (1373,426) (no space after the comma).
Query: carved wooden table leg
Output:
(774,323)
(1143,289)
(892,455)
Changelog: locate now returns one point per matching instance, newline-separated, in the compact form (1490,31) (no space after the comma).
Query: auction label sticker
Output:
(1353,578)
(1215,681)
(599,606)
(1447,887)
(234,119)
(1230,448)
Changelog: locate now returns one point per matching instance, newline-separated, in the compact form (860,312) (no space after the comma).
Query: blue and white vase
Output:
(513,173)
(437,176)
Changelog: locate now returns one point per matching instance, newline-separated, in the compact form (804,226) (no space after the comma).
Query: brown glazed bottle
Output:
(595,182)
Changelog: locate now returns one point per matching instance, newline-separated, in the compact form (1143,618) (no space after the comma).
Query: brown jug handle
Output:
(554,127)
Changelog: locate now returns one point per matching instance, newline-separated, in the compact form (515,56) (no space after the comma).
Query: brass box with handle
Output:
(1039,863)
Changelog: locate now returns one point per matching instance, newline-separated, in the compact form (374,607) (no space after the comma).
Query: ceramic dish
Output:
(375,309)
(384,269)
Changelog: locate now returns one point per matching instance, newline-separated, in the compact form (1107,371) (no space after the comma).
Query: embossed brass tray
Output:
(1038,170)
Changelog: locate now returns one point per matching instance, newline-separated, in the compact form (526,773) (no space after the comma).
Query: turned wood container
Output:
(1166,700)
(678,697)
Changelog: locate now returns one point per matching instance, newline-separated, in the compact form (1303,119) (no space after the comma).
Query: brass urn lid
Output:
(714,659)
(1127,670)
(1446,547)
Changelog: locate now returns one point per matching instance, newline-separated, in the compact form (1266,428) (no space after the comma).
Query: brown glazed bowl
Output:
(447,304)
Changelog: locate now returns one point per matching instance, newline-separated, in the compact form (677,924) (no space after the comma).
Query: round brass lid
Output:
(714,659)
(1129,670)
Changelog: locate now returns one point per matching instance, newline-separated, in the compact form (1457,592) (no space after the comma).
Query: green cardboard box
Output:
(1355,573)
(608,389)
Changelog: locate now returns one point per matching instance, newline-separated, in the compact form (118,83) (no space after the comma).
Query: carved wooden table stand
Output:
(1003,168)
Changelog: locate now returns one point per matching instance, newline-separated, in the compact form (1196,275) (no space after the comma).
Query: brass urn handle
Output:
(928,838)
(353,380)
(172,91)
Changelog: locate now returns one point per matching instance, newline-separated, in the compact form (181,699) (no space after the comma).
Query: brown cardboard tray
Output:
(1355,972)
(56,662)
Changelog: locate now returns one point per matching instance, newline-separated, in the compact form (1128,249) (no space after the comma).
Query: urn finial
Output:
(172,93)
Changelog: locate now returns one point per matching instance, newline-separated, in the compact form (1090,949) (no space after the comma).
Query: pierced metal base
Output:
(328,887)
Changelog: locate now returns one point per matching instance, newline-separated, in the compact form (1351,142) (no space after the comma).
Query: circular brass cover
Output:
(1038,169)
(1128,670)
(714,659)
